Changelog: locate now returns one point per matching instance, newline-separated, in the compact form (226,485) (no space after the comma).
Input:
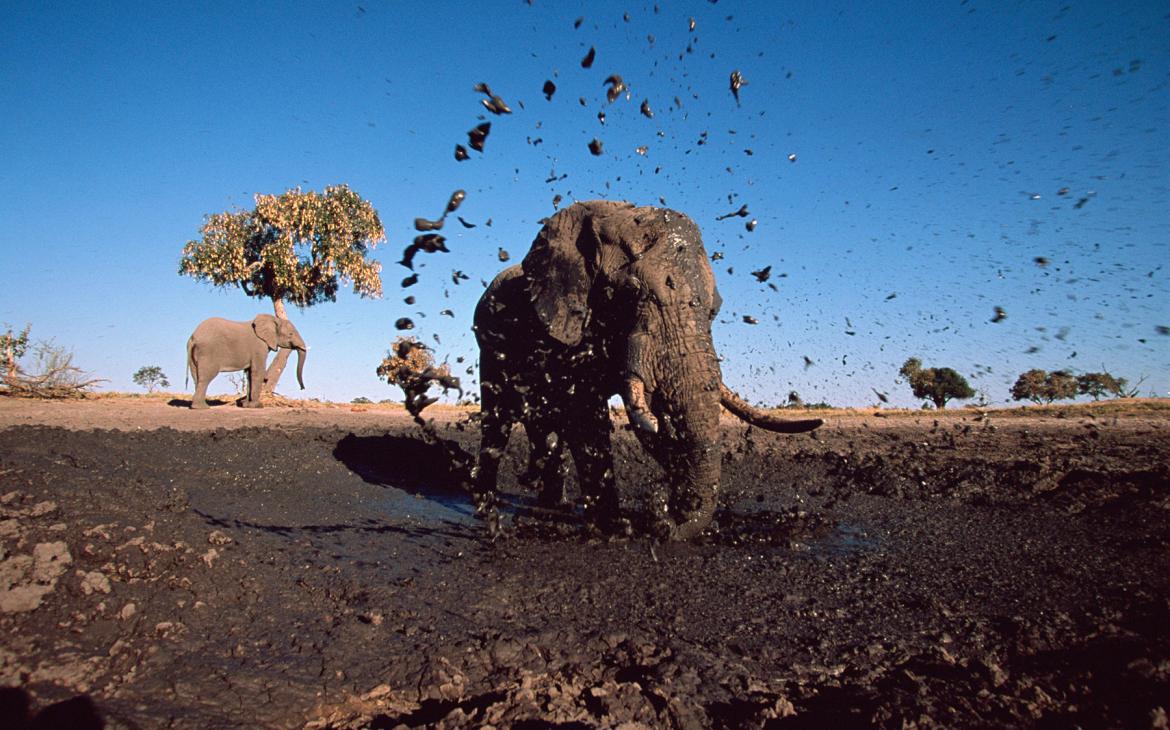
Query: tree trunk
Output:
(272,377)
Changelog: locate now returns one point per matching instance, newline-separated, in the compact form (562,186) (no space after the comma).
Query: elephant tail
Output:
(190,364)
(747,412)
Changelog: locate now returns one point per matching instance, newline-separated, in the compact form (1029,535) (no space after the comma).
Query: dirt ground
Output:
(321,567)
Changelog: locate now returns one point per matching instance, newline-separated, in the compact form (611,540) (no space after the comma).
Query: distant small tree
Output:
(1040,386)
(938,385)
(13,346)
(1099,385)
(295,247)
(151,377)
(361,400)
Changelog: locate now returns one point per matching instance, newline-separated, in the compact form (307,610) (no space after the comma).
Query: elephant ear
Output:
(560,268)
(264,325)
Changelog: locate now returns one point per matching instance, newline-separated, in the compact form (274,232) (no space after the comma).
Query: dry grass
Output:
(1097,409)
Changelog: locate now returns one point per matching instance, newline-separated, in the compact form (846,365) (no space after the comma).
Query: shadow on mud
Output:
(430,481)
(16,712)
(186,402)
(410,464)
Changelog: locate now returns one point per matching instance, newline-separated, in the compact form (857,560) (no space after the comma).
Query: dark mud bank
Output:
(279,577)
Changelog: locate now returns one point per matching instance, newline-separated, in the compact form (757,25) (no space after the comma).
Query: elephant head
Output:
(277,333)
(636,283)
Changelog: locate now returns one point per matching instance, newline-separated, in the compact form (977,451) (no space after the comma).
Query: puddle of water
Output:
(432,509)
(842,540)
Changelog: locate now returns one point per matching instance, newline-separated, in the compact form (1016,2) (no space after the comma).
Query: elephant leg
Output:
(493,440)
(546,464)
(199,400)
(592,452)
(254,385)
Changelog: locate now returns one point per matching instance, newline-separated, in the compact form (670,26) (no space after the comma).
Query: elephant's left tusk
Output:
(636,408)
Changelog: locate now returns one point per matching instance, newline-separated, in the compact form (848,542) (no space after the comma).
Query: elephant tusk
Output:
(636,408)
(746,412)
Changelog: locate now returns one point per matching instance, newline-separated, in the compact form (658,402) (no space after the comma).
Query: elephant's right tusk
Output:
(636,408)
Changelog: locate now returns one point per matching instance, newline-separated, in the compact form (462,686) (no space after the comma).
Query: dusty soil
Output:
(321,567)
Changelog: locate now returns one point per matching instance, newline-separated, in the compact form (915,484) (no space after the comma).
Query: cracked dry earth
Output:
(892,572)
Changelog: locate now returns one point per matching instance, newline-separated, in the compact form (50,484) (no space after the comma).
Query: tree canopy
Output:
(295,247)
(1099,385)
(1041,386)
(938,385)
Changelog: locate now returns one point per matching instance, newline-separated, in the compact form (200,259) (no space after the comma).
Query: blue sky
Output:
(932,140)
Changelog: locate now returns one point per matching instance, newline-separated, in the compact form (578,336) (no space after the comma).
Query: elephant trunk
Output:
(747,412)
(695,493)
(301,366)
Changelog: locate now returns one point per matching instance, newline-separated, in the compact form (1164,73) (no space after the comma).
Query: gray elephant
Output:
(611,299)
(222,346)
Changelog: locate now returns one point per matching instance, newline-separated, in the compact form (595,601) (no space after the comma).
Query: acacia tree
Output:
(297,247)
(1040,386)
(939,385)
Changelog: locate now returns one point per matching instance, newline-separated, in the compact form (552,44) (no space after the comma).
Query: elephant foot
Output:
(199,405)
(690,525)
(251,404)
(605,515)
(553,498)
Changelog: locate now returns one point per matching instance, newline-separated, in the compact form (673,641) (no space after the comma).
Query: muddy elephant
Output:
(611,299)
(223,346)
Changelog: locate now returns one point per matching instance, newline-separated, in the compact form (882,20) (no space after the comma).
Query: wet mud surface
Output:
(971,573)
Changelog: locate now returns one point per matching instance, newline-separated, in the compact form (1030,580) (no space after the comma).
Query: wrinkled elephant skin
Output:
(611,299)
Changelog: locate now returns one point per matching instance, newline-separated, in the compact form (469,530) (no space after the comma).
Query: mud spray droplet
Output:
(404,323)
(646,110)
(737,82)
(616,87)
(477,136)
(461,153)
(747,318)
(751,225)
(741,213)
(1000,315)
(792,157)
(595,146)
(587,62)
(455,200)
(549,89)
